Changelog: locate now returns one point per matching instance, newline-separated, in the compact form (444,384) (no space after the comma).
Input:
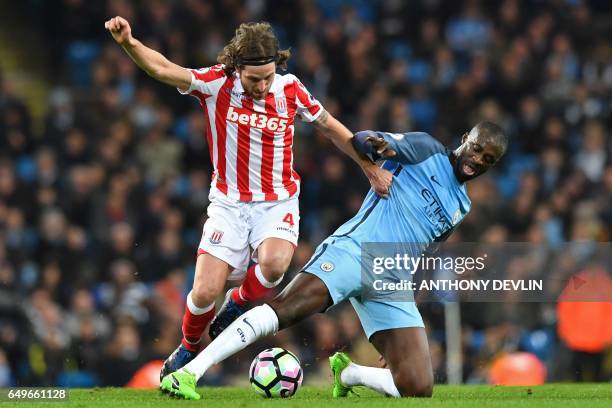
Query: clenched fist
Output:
(120,30)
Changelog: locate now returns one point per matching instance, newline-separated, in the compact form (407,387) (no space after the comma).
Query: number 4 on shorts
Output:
(289,219)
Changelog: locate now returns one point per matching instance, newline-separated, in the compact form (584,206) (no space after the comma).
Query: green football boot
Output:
(338,362)
(181,384)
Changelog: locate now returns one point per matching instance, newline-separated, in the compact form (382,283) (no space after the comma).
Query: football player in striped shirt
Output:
(253,214)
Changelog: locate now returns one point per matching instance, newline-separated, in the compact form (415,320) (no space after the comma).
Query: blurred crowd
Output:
(101,208)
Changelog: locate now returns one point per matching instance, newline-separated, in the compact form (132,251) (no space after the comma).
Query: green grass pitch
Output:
(552,395)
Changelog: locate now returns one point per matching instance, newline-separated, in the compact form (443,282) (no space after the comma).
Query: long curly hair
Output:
(252,41)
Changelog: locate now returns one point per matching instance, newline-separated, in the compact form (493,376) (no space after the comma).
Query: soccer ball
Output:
(276,372)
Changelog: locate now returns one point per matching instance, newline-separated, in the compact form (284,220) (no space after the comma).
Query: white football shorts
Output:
(235,229)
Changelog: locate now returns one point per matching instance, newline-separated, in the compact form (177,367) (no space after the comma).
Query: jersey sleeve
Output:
(308,108)
(412,147)
(203,81)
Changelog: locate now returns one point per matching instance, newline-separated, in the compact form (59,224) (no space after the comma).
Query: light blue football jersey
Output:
(426,201)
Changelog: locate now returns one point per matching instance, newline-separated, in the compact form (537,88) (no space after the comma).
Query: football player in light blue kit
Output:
(427,200)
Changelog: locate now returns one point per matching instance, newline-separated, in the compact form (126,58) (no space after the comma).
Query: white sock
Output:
(257,322)
(378,379)
(265,282)
(197,310)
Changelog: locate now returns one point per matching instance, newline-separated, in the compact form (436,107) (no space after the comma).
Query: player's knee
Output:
(414,387)
(203,294)
(273,267)
(410,385)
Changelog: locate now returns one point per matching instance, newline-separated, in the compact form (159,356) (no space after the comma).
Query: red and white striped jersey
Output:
(250,141)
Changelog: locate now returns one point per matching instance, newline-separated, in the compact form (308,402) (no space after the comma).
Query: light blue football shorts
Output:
(337,263)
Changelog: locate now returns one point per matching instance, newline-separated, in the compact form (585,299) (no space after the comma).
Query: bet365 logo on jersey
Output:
(256,120)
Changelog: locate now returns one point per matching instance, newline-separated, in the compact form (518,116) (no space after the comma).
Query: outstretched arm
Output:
(380,179)
(151,61)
